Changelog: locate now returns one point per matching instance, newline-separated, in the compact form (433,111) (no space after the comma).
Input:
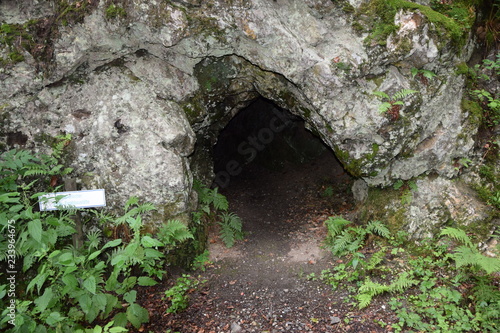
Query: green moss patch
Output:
(377,17)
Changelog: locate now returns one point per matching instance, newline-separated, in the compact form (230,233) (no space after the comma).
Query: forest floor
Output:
(268,282)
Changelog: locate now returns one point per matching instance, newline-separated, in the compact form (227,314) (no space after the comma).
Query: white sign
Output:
(72,199)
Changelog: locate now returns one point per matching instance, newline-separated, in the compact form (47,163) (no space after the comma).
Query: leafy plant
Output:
(231,228)
(424,75)
(406,188)
(201,261)
(215,207)
(393,104)
(67,287)
(343,239)
(370,289)
(174,232)
(178,294)
(327,192)
(468,255)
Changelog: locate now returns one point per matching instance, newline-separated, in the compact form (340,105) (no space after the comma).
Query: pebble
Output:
(235,328)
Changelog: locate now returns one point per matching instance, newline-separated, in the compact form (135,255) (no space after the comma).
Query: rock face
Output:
(137,89)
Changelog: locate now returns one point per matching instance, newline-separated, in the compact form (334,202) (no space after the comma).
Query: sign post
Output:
(73,199)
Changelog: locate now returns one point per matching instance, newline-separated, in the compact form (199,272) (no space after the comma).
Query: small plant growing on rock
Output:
(393,104)
(423,75)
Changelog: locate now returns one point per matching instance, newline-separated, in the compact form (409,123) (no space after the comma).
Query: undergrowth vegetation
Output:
(215,208)
(53,284)
(443,285)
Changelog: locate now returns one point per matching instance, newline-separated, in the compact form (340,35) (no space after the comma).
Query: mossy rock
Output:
(377,18)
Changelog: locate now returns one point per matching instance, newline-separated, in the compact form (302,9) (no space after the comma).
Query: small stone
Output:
(235,328)
(334,320)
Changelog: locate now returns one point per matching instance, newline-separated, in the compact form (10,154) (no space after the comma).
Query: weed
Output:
(214,207)
(393,104)
(178,294)
(66,287)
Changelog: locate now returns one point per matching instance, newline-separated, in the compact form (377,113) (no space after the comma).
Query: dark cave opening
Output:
(266,138)
(273,169)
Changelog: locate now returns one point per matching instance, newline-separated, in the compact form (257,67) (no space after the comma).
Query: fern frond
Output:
(227,235)
(219,201)
(233,220)
(414,72)
(384,107)
(403,93)
(376,259)
(381,94)
(373,288)
(131,202)
(489,264)
(465,255)
(364,300)
(342,242)
(174,231)
(402,283)
(428,74)
(36,172)
(335,225)
(457,234)
(378,228)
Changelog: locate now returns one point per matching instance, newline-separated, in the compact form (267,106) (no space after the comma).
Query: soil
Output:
(266,283)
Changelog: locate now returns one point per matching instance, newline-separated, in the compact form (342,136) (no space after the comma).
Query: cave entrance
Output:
(273,170)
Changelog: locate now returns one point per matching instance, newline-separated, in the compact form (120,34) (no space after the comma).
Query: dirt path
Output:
(261,284)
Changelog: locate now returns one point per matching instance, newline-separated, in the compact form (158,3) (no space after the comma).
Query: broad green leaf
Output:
(54,318)
(130,296)
(39,280)
(111,302)
(85,302)
(70,281)
(11,197)
(137,315)
(120,319)
(112,243)
(90,284)
(99,301)
(97,329)
(66,259)
(35,230)
(146,281)
(148,241)
(43,301)
(93,255)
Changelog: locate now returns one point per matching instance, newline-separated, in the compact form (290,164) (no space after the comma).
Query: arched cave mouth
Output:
(273,169)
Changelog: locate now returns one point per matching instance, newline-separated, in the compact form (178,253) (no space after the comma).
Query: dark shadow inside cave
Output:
(270,166)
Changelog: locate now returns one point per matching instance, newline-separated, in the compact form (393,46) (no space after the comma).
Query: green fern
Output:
(335,225)
(231,228)
(174,232)
(377,227)
(376,259)
(403,93)
(458,235)
(389,101)
(370,289)
(343,239)
(210,196)
(424,72)
(468,254)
